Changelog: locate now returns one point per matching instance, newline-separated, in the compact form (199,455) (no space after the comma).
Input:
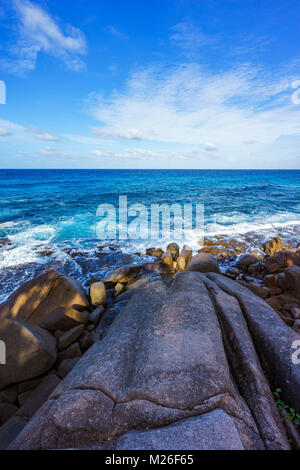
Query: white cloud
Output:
(153,155)
(193,107)
(210,147)
(97,153)
(189,37)
(39,32)
(46,137)
(127,134)
(52,152)
(4,132)
(115,32)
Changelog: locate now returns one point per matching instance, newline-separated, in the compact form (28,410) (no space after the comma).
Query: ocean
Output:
(49,216)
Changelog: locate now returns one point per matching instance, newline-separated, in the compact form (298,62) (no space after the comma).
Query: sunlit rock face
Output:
(177,369)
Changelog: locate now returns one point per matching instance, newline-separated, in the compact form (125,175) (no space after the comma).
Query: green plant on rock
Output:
(289,413)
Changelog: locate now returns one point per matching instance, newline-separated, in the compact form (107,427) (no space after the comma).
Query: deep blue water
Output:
(57,209)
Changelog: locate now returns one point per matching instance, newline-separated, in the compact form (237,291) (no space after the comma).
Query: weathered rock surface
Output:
(35,300)
(30,351)
(272,246)
(272,338)
(179,359)
(204,263)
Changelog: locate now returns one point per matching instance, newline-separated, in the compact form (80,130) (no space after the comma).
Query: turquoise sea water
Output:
(56,209)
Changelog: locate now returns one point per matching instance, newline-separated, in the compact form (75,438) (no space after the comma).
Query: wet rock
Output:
(36,300)
(157,252)
(98,294)
(204,263)
(4,242)
(272,246)
(30,351)
(125,274)
(70,337)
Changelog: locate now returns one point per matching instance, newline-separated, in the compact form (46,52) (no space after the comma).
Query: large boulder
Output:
(30,351)
(35,300)
(163,366)
(204,263)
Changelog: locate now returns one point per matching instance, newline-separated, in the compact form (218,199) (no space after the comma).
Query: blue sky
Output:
(150,84)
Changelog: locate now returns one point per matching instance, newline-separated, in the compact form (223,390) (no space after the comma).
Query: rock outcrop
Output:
(180,367)
(36,300)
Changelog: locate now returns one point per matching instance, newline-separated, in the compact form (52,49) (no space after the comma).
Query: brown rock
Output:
(185,257)
(70,337)
(273,268)
(35,300)
(272,246)
(98,294)
(72,351)
(86,340)
(245,261)
(66,366)
(64,319)
(204,263)
(292,279)
(270,280)
(167,259)
(30,351)
(119,288)
(260,291)
(124,274)
(29,385)
(173,248)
